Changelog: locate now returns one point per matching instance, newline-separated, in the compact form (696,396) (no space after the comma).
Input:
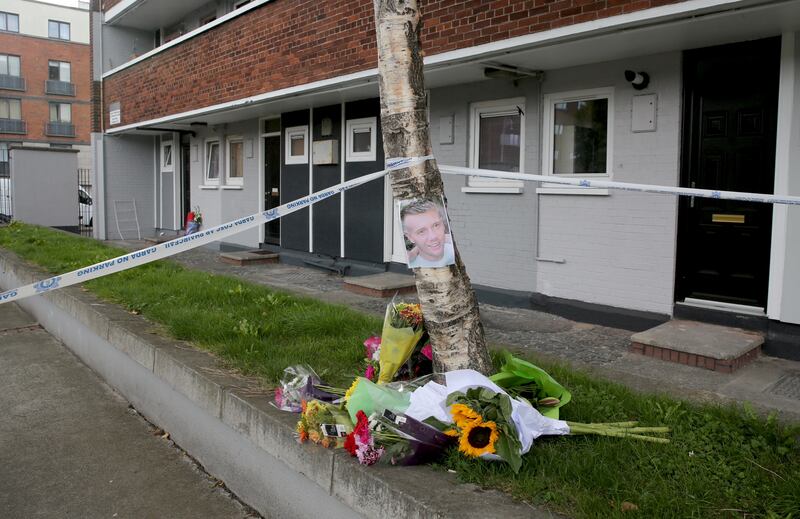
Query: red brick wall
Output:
(108,4)
(34,54)
(292,42)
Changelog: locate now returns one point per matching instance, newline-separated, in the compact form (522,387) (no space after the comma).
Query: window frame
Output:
(478,184)
(352,126)
(59,24)
(8,66)
(229,180)
(288,133)
(548,120)
(6,14)
(51,62)
(9,100)
(208,181)
(59,104)
(162,160)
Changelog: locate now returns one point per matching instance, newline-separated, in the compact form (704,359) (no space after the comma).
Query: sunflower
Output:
(463,415)
(478,438)
(350,391)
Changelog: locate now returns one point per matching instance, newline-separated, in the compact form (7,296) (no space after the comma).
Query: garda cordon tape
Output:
(190,241)
(219,232)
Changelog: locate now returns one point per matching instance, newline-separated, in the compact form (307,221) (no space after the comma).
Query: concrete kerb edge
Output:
(237,403)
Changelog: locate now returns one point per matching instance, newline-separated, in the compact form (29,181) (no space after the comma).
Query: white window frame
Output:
(359,125)
(59,25)
(8,64)
(206,160)
(6,15)
(289,132)
(233,181)
(477,184)
(9,100)
(60,64)
(164,166)
(550,101)
(59,112)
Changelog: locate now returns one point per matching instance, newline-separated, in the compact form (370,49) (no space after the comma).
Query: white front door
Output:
(394,244)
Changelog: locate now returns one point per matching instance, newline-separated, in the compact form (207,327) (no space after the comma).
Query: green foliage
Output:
(721,462)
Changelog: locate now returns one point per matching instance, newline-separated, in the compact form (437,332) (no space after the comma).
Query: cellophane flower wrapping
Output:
(371,398)
(296,386)
(523,379)
(402,329)
(324,423)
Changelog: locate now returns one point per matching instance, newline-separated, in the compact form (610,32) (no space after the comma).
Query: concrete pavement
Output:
(71,447)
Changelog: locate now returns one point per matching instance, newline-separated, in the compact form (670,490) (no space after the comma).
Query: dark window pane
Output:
(499,142)
(580,134)
(53,68)
(362,141)
(272,125)
(298,146)
(213,160)
(236,160)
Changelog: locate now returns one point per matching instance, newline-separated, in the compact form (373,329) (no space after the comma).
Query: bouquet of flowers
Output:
(324,423)
(372,352)
(300,383)
(194,220)
(523,380)
(419,364)
(403,327)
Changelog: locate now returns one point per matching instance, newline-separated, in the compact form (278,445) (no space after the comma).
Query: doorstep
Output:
(709,346)
(385,284)
(249,257)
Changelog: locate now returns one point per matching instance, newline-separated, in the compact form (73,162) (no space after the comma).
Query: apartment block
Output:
(236,107)
(45,80)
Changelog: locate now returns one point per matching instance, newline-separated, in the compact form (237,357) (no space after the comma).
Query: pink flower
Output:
(427,351)
(279,397)
(369,455)
(372,344)
(370,373)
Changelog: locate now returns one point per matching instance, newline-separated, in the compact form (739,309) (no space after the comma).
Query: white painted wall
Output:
(129,172)
(33,18)
(222,205)
(619,250)
(493,232)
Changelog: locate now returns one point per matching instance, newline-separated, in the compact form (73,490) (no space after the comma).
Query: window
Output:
(212,162)
(234,173)
(9,65)
(166,156)
(10,109)
(4,169)
(497,141)
(59,71)
(58,30)
(9,22)
(297,145)
(361,139)
(60,113)
(577,133)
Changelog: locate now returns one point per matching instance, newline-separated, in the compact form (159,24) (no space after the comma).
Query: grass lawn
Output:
(722,462)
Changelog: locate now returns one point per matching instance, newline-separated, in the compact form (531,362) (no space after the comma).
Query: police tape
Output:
(625,186)
(184,243)
(191,241)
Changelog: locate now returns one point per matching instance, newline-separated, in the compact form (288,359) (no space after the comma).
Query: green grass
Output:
(722,462)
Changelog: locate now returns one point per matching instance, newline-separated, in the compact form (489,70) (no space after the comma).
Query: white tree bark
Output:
(448,301)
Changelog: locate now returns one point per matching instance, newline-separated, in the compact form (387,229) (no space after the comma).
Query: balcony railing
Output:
(13,126)
(61,88)
(11,82)
(60,129)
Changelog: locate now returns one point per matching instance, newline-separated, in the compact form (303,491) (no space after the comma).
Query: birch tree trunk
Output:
(448,301)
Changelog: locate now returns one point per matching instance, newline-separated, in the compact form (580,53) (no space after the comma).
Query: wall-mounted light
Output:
(639,80)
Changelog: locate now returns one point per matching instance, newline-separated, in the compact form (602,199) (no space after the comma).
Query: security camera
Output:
(639,80)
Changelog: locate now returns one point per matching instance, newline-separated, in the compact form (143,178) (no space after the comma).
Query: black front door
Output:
(272,187)
(730,112)
(186,183)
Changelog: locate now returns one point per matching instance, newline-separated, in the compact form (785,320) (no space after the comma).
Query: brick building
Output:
(222,104)
(45,94)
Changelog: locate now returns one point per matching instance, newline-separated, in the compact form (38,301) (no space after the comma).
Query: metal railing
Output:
(85,202)
(60,129)
(13,126)
(12,82)
(61,88)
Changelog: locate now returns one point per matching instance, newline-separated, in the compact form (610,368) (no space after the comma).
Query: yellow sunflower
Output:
(463,415)
(349,392)
(478,438)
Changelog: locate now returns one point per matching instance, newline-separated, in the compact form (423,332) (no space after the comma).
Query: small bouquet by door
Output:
(194,220)
(403,327)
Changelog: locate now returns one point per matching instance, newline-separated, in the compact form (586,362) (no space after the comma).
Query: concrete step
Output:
(708,346)
(159,239)
(385,284)
(249,257)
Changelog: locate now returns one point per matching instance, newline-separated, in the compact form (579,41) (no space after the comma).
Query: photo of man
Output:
(427,233)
